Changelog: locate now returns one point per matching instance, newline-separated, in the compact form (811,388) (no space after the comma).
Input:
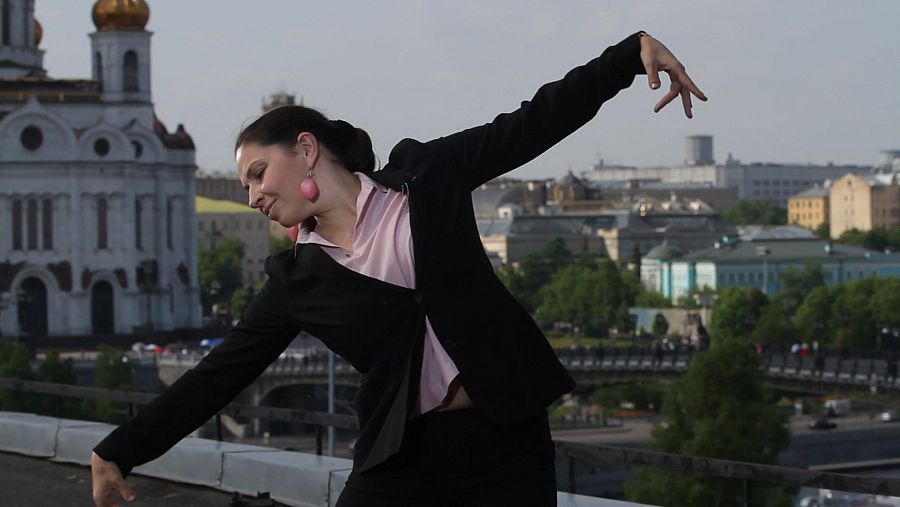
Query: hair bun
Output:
(346,131)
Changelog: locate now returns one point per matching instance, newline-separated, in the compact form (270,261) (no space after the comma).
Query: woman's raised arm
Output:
(561,107)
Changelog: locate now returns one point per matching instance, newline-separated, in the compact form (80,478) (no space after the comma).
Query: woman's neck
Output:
(338,222)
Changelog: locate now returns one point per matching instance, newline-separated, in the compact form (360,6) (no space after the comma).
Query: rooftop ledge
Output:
(292,478)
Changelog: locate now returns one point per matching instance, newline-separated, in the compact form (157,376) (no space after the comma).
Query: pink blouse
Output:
(383,249)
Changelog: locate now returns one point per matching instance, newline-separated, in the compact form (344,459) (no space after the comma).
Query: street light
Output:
(764,252)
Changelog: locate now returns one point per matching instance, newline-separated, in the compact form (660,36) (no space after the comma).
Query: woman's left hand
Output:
(657,57)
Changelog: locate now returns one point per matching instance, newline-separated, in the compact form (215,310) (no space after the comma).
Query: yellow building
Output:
(864,202)
(810,207)
(219,220)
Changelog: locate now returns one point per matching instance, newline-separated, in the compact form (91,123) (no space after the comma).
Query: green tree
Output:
(220,273)
(53,369)
(589,293)
(823,231)
(735,314)
(720,409)
(241,298)
(525,279)
(660,325)
(796,284)
(774,327)
(852,237)
(111,371)
(756,212)
(15,362)
(651,299)
(854,314)
(814,317)
(279,243)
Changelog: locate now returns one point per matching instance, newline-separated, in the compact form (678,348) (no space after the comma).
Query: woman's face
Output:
(272,175)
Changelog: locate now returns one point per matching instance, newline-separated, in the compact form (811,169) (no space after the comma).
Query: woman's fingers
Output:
(686,102)
(652,74)
(106,479)
(655,57)
(681,85)
(674,90)
(124,491)
(688,83)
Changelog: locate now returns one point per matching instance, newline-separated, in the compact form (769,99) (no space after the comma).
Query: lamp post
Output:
(764,252)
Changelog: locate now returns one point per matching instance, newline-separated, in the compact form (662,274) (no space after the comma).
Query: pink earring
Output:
(308,187)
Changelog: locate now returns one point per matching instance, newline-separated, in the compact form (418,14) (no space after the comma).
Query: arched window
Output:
(32,302)
(98,68)
(4,23)
(47,223)
(138,218)
(102,243)
(32,224)
(102,309)
(169,224)
(130,72)
(17,224)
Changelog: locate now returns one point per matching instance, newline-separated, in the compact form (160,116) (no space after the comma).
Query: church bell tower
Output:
(20,35)
(120,50)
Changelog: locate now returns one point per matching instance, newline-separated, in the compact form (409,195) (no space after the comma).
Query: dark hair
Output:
(351,146)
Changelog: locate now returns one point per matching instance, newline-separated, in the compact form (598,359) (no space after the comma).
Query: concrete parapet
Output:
(28,434)
(75,439)
(293,478)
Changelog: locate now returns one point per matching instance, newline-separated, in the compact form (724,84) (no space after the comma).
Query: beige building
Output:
(864,202)
(223,187)
(810,207)
(220,220)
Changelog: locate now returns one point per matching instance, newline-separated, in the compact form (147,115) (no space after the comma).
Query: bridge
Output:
(607,365)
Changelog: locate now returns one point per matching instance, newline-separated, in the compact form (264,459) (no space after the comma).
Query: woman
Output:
(390,273)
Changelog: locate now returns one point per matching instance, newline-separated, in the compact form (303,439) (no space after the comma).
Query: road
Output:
(637,432)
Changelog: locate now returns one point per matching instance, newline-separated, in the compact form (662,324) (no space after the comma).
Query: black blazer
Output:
(506,364)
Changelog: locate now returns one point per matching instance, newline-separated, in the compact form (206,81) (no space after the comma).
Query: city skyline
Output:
(795,83)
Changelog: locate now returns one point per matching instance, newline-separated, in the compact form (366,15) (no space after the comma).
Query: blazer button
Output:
(417,297)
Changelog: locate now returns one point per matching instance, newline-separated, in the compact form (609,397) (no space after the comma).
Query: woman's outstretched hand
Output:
(107,480)
(657,57)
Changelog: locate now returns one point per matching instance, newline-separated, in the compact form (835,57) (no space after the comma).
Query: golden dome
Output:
(38,33)
(112,15)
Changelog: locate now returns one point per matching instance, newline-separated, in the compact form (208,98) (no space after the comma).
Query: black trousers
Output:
(458,459)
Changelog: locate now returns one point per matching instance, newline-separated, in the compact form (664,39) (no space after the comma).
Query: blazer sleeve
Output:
(262,333)
(557,109)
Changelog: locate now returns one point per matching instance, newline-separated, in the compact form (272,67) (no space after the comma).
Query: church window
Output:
(31,138)
(4,19)
(138,149)
(138,219)
(130,72)
(32,224)
(17,224)
(47,223)
(101,147)
(102,237)
(98,68)
(169,224)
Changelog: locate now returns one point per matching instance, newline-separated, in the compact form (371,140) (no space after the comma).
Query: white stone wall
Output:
(67,169)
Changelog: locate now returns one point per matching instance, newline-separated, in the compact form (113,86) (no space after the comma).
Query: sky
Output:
(805,81)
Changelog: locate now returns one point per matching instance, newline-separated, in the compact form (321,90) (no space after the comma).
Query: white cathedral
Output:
(97,213)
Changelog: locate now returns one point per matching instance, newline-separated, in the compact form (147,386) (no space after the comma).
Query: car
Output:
(889,416)
(821,423)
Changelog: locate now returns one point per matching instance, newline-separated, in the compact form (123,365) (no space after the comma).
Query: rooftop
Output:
(207,205)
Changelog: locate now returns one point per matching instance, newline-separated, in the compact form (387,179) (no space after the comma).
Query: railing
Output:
(861,371)
(319,419)
(748,473)
(826,370)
